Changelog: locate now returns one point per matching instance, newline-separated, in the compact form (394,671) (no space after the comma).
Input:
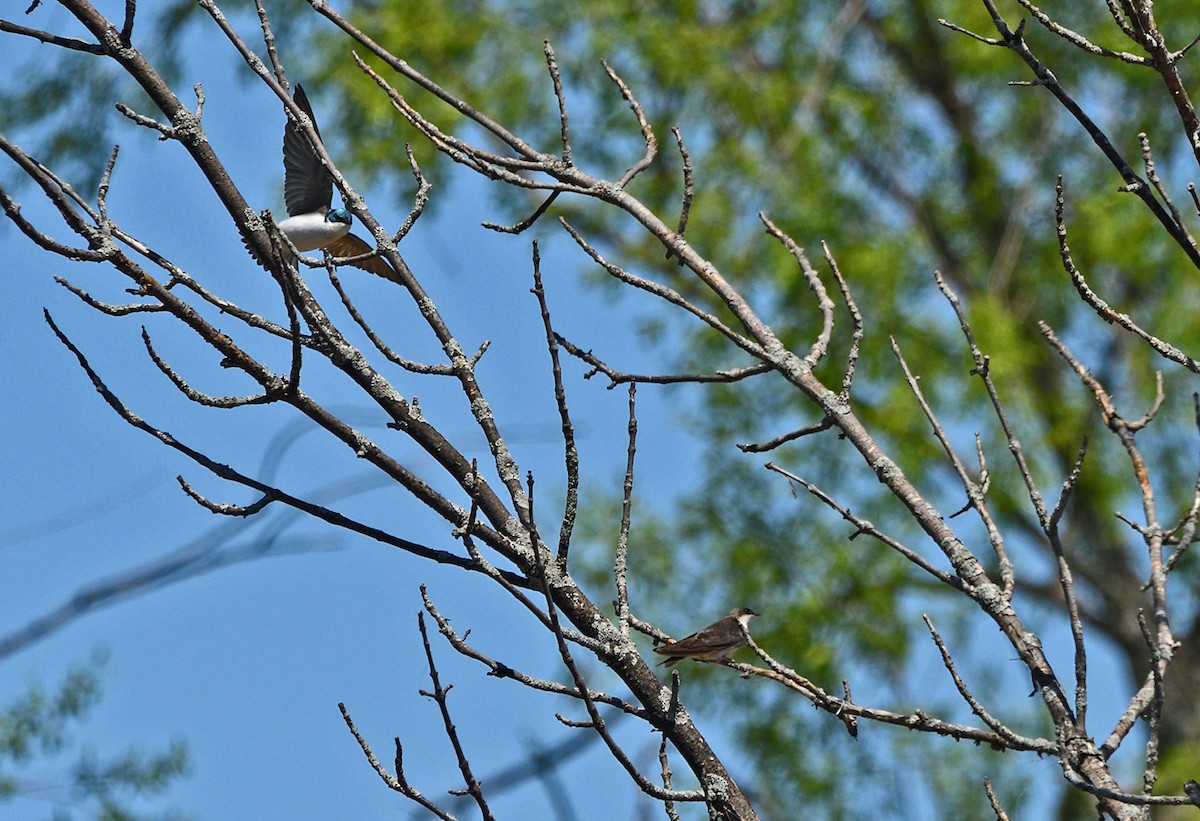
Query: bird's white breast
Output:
(309,231)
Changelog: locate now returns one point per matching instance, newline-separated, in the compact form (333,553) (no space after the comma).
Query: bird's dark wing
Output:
(714,641)
(307,184)
(688,644)
(352,246)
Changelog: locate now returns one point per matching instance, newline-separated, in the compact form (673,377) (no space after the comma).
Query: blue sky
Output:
(247,663)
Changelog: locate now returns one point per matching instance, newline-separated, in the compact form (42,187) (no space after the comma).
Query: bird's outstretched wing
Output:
(307,183)
(352,246)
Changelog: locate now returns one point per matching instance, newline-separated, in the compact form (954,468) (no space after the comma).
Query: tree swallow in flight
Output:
(715,642)
(308,193)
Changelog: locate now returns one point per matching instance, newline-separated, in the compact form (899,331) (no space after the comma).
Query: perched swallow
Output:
(308,193)
(717,641)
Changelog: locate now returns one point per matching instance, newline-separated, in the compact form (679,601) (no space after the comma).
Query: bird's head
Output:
(742,614)
(339,215)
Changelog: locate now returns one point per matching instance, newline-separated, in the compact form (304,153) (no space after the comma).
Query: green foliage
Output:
(132,772)
(38,720)
(36,731)
(901,145)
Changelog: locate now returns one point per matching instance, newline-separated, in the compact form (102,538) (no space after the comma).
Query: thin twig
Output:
(570,451)
(556,79)
(855,319)
(1078,40)
(663,292)
(918,720)
(397,782)
(973,489)
(997,808)
(222,508)
(439,695)
(1066,582)
(644,124)
(498,669)
(621,560)
(863,526)
(821,345)
(616,377)
(1102,308)
(689,191)
(976,707)
(783,439)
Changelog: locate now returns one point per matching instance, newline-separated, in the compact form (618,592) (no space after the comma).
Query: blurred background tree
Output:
(864,124)
(36,734)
